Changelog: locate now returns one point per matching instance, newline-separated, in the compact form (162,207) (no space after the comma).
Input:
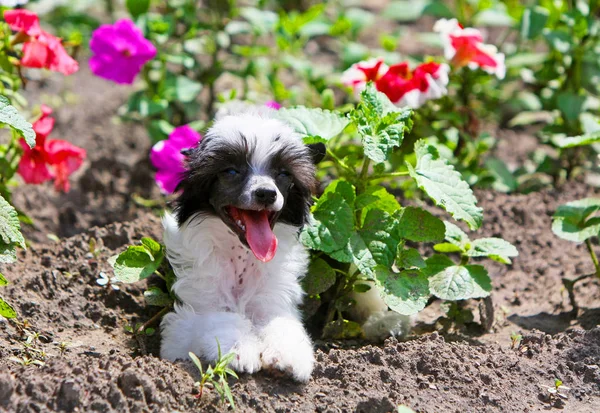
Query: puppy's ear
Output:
(317,151)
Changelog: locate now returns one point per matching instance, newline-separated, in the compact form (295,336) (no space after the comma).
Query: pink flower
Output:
(465,47)
(40,49)
(120,51)
(359,74)
(273,105)
(401,85)
(49,159)
(166,156)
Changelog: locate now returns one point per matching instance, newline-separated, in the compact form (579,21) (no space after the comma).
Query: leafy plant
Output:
(137,263)
(6,310)
(560,89)
(360,234)
(216,376)
(578,222)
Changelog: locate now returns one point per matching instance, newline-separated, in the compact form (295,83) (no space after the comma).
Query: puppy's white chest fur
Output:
(228,295)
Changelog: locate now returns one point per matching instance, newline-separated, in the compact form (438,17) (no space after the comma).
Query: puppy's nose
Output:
(265,196)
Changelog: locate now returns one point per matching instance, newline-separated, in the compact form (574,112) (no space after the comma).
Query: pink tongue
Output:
(261,239)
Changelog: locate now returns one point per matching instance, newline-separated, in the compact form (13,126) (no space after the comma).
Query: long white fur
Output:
(258,319)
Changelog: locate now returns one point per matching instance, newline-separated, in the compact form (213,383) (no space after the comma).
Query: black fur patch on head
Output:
(209,183)
(203,166)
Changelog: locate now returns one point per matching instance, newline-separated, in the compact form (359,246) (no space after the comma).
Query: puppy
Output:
(233,244)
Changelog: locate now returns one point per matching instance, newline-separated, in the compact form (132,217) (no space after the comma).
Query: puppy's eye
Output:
(284,174)
(231,172)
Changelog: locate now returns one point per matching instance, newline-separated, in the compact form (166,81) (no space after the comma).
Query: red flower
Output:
(49,158)
(359,74)
(40,49)
(465,47)
(401,85)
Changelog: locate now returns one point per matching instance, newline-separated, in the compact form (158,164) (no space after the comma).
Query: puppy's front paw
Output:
(247,357)
(288,350)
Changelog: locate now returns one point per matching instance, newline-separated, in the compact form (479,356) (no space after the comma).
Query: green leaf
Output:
(308,122)
(526,59)
(447,247)
(6,310)
(158,297)
(570,105)
(504,180)
(376,197)
(360,254)
(494,248)
(8,253)
(436,263)
(560,40)
(319,278)
(406,292)
(379,236)
(375,243)
(153,247)
(10,116)
(3,281)
(332,226)
(262,21)
(410,258)
(444,185)
(533,22)
(456,236)
(380,123)
(343,188)
(135,264)
(405,11)
(570,221)
(564,142)
(137,7)
(182,89)
(361,288)
(10,228)
(342,329)
(495,16)
(416,224)
(461,282)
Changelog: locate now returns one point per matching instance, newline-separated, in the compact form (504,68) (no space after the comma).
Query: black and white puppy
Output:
(233,244)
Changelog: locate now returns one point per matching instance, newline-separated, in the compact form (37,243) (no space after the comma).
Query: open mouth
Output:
(255,229)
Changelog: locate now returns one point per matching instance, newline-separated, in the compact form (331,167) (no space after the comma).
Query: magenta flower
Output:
(166,156)
(120,51)
(273,105)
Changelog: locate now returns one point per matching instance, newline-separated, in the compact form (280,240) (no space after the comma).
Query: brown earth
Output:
(100,367)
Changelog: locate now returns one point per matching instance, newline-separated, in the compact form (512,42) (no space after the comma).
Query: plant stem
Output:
(364,171)
(569,285)
(340,163)
(153,320)
(588,243)
(389,175)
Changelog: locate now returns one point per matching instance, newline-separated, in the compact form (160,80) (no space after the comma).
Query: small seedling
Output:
(93,247)
(63,346)
(578,221)
(27,361)
(515,340)
(139,329)
(557,393)
(216,376)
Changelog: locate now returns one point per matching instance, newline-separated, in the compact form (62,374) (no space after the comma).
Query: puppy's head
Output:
(251,171)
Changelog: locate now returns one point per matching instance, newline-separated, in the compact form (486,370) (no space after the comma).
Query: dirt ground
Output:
(102,368)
